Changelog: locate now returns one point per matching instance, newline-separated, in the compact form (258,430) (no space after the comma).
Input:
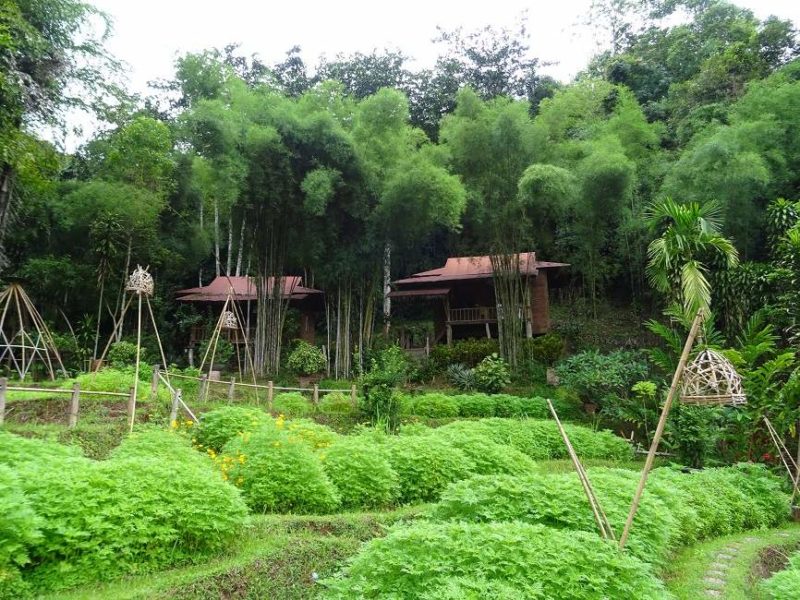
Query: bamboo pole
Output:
(138,358)
(158,339)
(662,422)
(599,515)
(786,457)
(74,405)
(3,387)
(117,325)
(176,399)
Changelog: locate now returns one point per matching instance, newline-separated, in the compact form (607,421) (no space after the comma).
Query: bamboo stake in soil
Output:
(786,457)
(600,517)
(662,421)
(138,358)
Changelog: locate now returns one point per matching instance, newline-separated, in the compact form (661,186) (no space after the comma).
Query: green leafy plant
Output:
(217,427)
(545,349)
(123,354)
(532,560)
(476,405)
(336,403)
(306,359)
(597,376)
(292,404)
(436,406)
(388,370)
(492,374)
(426,465)
(363,476)
(278,474)
(461,377)
(137,510)
(488,456)
(19,531)
(465,352)
(223,353)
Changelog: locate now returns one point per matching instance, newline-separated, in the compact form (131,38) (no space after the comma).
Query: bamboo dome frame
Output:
(21,348)
(711,380)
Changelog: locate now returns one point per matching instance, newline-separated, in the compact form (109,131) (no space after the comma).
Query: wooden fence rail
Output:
(75,393)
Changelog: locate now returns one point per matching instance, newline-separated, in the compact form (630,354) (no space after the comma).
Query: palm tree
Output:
(678,260)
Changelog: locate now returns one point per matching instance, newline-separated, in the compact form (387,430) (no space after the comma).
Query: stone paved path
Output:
(717,573)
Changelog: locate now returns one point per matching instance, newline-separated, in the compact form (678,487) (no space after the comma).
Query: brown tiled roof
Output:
(243,288)
(475,267)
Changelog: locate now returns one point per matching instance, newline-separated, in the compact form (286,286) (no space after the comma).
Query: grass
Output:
(278,557)
(685,577)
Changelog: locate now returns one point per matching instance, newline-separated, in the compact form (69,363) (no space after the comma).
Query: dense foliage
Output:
(517,559)
(785,583)
(155,502)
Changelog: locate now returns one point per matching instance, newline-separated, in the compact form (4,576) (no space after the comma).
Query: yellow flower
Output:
(174,424)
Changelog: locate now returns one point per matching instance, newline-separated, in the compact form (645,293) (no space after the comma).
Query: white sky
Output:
(149,34)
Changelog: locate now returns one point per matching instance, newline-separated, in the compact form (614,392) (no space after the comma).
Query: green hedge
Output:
(503,560)
(141,509)
(278,473)
(217,427)
(677,508)
(363,476)
(541,440)
(292,404)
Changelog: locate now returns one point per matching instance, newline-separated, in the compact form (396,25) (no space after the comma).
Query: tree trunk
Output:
(216,238)
(99,316)
(241,250)
(387,280)
(6,199)
(230,245)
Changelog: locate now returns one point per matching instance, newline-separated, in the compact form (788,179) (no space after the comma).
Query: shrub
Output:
(534,561)
(783,585)
(487,456)
(727,500)
(127,514)
(16,451)
(306,359)
(336,403)
(363,476)
(545,349)
(559,501)
(476,405)
(426,465)
(313,434)
(217,427)
(223,353)
(596,376)
(381,402)
(466,352)
(292,404)
(461,377)
(277,474)
(120,380)
(492,374)
(19,530)
(541,440)
(123,354)
(436,406)
(157,443)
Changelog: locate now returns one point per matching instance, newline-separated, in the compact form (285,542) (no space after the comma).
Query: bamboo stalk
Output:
(662,421)
(138,359)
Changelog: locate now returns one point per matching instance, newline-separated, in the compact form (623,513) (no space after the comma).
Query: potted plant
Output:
(306,361)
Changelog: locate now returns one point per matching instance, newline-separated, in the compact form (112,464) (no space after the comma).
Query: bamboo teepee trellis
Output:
(24,336)
(141,286)
(710,380)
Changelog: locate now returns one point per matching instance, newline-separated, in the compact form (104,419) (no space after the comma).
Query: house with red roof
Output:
(463,299)
(307,301)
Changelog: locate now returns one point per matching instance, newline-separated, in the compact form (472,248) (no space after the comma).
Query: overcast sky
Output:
(149,34)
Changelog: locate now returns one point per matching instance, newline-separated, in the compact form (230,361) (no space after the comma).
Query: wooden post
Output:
(662,421)
(449,334)
(131,406)
(315,395)
(353,397)
(3,386)
(203,388)
(154,383)
(231,389)
(176,400)
(74,405)
(270,393)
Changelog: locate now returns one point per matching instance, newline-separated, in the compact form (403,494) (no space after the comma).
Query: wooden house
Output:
(307,301)
(463,297)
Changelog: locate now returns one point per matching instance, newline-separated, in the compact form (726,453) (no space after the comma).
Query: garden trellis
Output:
(140,285)
(24,336)
(710,380)
(231,319)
